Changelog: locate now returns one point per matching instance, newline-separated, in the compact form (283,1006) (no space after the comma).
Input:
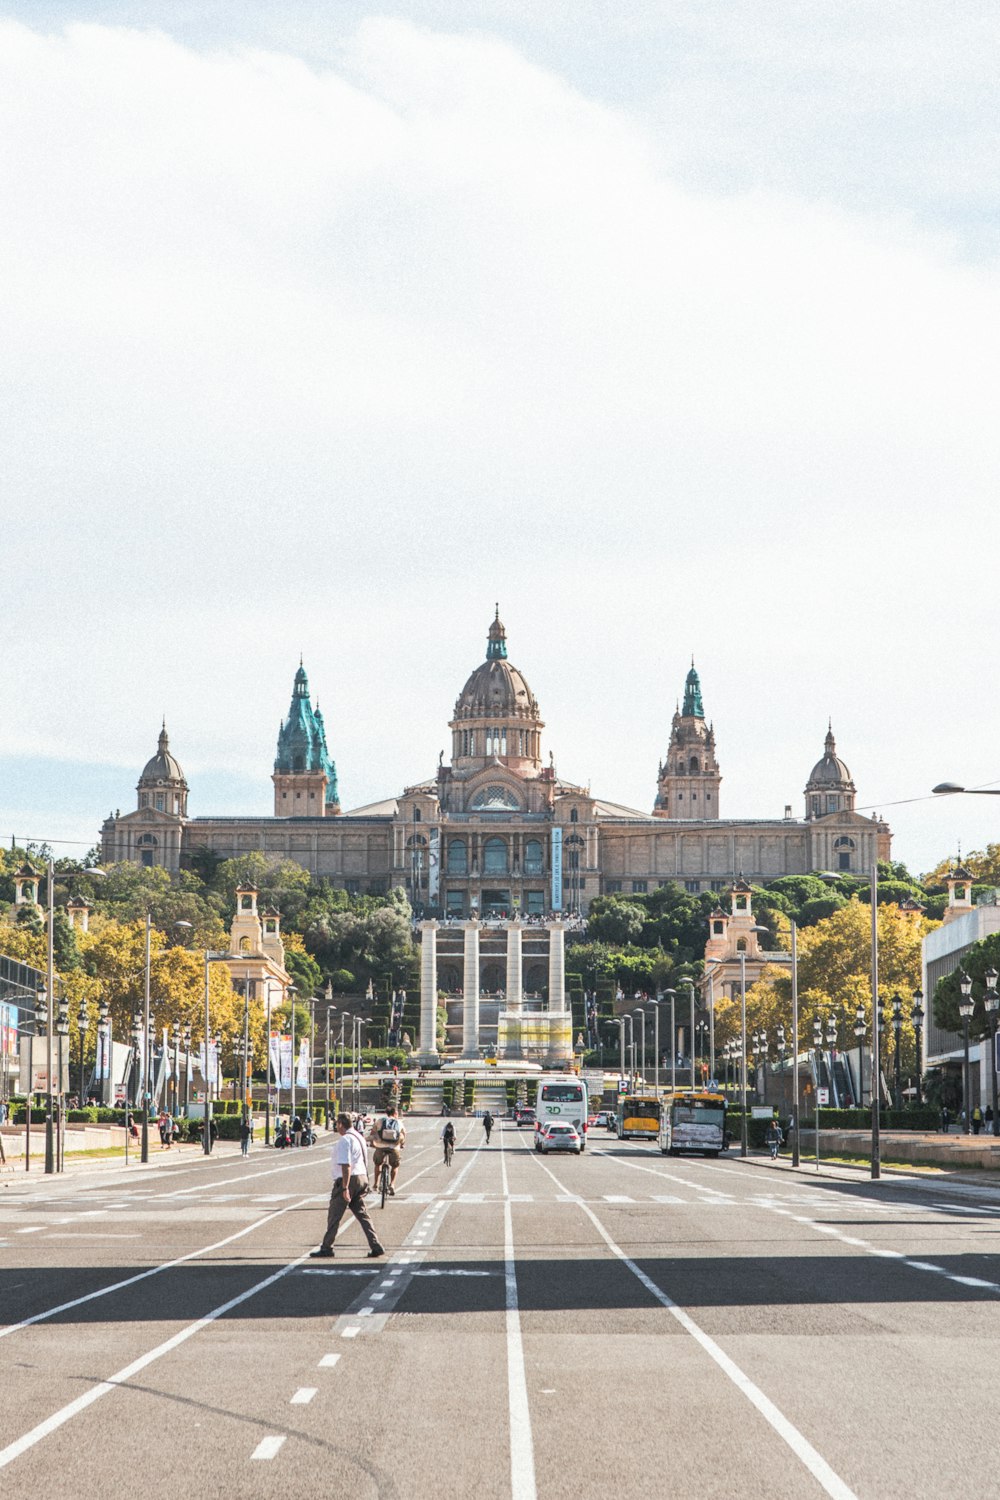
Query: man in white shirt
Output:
(350,1183)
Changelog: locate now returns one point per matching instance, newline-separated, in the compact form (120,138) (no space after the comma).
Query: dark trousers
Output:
(356,1203)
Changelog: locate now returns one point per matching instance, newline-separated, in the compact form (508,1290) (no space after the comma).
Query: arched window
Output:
(574,815)
(694,766)
(458,857)
(495,857)
(147,848)
(741,945)
(246,902)
(717,929)
(244,945)
(416,815)
(534,860)
(159,802)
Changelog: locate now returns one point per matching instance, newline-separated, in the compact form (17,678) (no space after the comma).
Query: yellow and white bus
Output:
(638,1117)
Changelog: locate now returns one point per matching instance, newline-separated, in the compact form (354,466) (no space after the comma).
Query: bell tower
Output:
(305,778)
(688,781)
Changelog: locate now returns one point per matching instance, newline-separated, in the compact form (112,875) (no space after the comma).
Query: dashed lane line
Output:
(522,1450)
(813,1461)
(267,1448)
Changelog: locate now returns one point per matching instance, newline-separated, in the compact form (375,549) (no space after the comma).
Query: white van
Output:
(561,1099)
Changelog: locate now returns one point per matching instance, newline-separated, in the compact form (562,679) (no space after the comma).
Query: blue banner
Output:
(557,870)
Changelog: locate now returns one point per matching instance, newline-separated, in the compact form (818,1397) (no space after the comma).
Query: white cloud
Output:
(327,358)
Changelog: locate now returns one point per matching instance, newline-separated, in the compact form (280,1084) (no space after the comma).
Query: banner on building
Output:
(8,1029)
(282,1064)
(302,1071)
(434,868)
(557,869)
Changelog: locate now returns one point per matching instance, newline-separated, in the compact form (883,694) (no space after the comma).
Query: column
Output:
(428,1055)
(514,991)
(557,967)
(470,987)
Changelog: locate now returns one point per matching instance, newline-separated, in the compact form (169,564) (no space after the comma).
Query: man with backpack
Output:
(487,1125)
(388,1138)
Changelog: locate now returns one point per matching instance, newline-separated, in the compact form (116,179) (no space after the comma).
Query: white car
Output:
(559,1138)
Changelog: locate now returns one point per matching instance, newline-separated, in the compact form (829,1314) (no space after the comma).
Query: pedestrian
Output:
(988,1119)
(487,1125)
(977,1120)
(246,1134)
(296,1130)
(944,1118)
(350,1183)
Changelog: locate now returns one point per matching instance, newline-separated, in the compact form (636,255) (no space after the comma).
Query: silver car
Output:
(560,1138)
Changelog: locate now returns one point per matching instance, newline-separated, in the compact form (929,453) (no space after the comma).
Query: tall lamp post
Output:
(859,1032)
(82,1024)
(103,1047)
(673,1039)
(917,1017)
(175,1037)
(965,1009)
(991,1000)
(186,1034)
(897,1030)
(642,1050)
(656,1043)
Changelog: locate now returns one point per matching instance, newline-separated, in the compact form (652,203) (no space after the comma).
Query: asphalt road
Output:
(585,1326)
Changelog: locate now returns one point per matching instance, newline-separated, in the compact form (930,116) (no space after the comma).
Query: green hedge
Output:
(914,1118)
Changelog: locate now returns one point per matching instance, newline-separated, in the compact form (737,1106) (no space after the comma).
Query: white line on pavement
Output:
(166,1265)
(522,1452)
(267,1447)
(328,1361)
(121,1377)
(303,1395)
(796,1441)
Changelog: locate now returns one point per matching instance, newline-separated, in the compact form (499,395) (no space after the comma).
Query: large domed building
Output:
(495,829)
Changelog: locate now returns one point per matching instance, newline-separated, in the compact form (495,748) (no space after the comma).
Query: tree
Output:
(980,957)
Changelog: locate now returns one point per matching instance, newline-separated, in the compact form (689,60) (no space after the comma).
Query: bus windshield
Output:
(562,1093)
(698,1114)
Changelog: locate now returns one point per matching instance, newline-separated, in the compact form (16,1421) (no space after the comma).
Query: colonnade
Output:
(428,1053)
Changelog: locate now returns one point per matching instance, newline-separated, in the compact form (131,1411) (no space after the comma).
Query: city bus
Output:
(693,1121)
(638,1116)
(562,1101)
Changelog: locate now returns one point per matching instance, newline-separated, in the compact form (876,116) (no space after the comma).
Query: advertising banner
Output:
(434,868)
(557,869)
(284,1062)
(302,1072)
(8,1029)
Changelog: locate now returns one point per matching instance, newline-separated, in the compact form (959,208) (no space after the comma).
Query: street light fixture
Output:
(991,1000)
(642,1049)
(82,1025)
(965,1009)
(859,1032)
(103,1069)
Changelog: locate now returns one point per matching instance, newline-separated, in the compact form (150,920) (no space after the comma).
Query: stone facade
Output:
(496,830)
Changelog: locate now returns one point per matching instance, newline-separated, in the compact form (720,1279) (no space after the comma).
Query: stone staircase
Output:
(492,1097)
(427,1098)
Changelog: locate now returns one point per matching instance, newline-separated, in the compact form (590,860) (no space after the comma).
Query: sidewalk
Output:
(75,1161)
(926,1149)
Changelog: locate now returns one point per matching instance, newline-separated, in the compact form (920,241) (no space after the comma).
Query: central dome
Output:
(496,689)
(496,715)
(163,767)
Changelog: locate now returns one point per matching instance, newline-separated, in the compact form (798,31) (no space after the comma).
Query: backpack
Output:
(389,1130)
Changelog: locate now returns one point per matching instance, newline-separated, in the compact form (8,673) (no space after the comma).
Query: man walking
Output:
(350,1183)
(487,1125)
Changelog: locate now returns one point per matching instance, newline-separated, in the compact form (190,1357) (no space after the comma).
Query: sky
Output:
(672,328)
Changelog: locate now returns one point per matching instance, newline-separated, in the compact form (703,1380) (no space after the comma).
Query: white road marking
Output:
(800,1445)
(376,1296)
(267,1448)
(32,1229)
(350,1333)
(303,1395)
(522,1451)
(617,1198)
(122,1377)
(166,1265)
(328,1361)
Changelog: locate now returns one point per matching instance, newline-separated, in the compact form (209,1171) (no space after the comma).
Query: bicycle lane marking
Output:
(812,1460)
(831,1230)
(522,1448)
(168,1265)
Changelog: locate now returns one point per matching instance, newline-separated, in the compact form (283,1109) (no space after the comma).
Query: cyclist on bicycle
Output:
(388,1138)
(773,1138)
(448,1137)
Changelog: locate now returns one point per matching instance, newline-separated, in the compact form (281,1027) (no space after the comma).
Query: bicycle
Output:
(449,1152)
(383,1182)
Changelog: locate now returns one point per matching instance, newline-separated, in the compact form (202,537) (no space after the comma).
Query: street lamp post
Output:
(62,1031)
(917,1017)
(744,1148)
(673,1040)
(656,1043)
(82,1023)
(795,1044)
(965,1008)
(103,1046)
(642,1050)
(859,1032)
(818,1051)
(991,1000)
(691,989)
(146,1050)
(897,1029)
(175,1037)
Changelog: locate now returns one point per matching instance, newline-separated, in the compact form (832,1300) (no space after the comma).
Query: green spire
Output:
(496,644)
(692,696)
